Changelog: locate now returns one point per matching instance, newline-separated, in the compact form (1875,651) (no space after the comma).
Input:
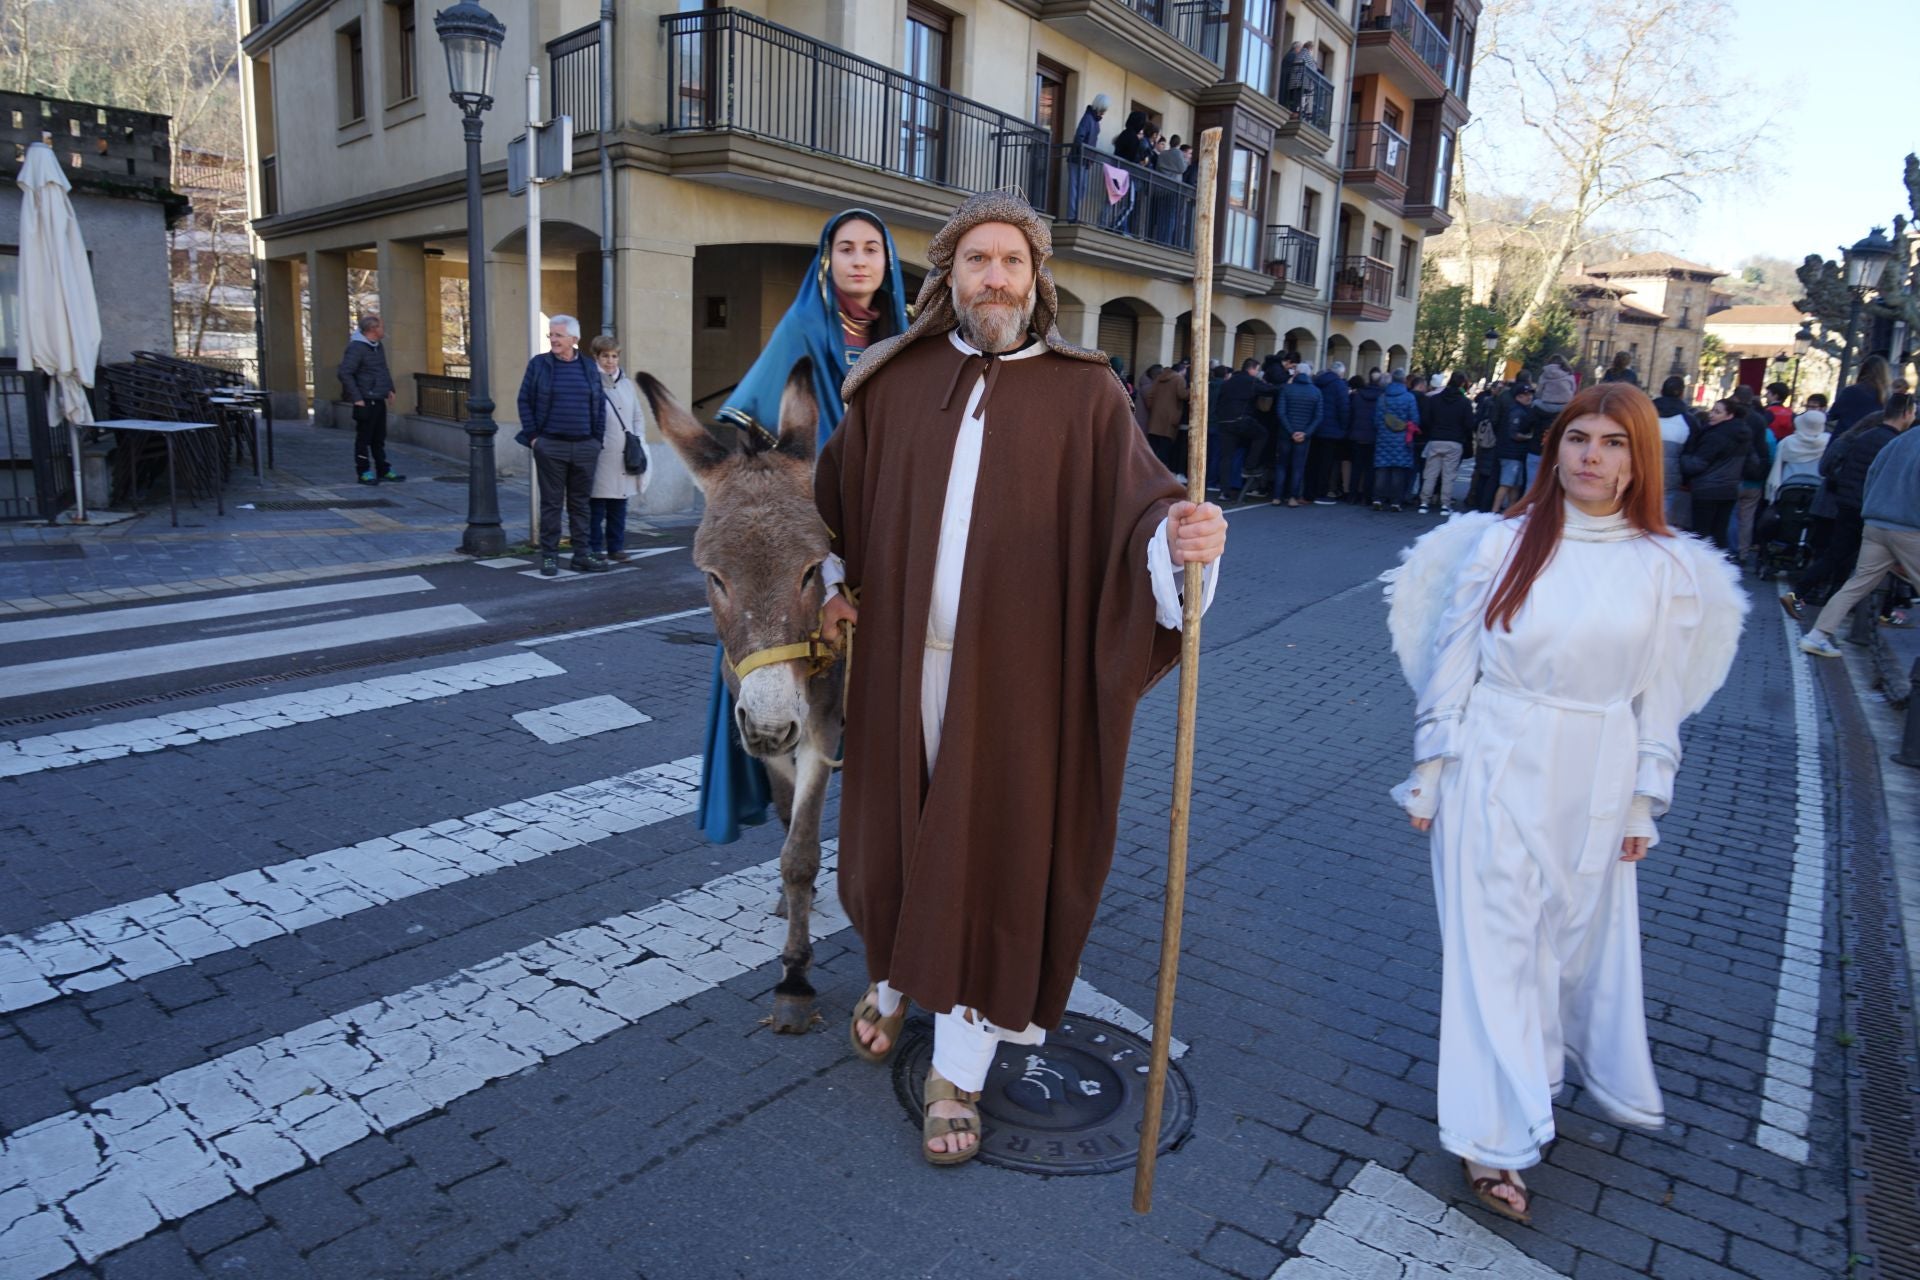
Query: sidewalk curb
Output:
(234,582)
(1881,1071)
(1889,677)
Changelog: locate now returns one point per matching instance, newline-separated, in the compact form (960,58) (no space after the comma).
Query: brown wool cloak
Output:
(978,887)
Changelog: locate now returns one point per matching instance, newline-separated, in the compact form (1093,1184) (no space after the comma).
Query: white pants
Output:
(1443,463)
(963,1042)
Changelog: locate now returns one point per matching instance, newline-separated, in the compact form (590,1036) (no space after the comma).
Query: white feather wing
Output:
(1419,588)
(1723,611)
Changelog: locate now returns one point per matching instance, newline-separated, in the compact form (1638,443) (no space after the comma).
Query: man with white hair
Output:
(563,415)
(1004,645)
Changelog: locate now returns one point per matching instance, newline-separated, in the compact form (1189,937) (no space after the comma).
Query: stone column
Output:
(653,315)
(403,308)
(433,332)
(283,363)
(329,325)
(1154,340)
(1080,325)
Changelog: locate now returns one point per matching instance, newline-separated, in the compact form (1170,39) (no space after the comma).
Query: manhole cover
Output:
(1072,1105)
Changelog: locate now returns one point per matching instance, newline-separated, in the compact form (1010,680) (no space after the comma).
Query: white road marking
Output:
(611,627)
(1384,1226)
(1786,1102)
(161,615)
(582,719)
(1087,999)
(127,942)
(191,655)
(503,562)
(568,573)
(88,1182)
(255,715)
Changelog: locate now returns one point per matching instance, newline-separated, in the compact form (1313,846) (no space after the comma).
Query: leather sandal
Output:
(1483,1192)
(941,1089)
(868,1010)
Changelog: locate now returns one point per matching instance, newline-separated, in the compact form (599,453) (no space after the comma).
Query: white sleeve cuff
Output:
(833,572)
(1419,795)
(1640,820)
(1168,581)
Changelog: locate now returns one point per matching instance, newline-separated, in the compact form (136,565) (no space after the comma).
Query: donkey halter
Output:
(818,651)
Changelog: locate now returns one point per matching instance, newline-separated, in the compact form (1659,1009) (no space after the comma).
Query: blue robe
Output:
(733,785)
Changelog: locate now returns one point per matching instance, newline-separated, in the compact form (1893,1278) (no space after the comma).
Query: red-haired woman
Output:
(1554,652)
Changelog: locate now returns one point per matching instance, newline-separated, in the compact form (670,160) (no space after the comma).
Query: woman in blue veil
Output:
(852,296)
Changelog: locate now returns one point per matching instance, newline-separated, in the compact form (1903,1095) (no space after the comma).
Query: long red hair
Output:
(1644,501)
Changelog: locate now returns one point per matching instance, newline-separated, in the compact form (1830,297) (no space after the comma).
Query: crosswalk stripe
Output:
(190,655)
(128,618)
(580,719)
(612,627)
(88,1182)
(130,941)
(256,715)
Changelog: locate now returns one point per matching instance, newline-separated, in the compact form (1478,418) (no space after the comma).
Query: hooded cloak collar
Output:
(934,310)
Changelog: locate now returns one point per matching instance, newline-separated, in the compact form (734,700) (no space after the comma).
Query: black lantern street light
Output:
(1865,262)
(1802,343)
(471,37)
(1490,344)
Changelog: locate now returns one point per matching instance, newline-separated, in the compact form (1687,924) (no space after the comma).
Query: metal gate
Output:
(36,461)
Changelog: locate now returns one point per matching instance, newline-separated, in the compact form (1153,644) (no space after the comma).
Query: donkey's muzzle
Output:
(764,739)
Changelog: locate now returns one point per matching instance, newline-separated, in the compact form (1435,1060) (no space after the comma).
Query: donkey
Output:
(761,543)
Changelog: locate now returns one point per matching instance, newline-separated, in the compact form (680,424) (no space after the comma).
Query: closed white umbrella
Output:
(59,315)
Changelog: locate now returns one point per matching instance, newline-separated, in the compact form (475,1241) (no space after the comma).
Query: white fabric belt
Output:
(944,646)
(1615,760)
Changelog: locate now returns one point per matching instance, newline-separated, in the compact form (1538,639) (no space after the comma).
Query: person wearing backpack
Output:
(1396,418)
(1779,410)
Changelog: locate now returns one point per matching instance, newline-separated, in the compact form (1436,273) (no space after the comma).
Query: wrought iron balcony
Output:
(1377,159)
(732,72)
(1293,258)
(1201,25)
(1396,35)
(573,78)
(1101,190)
(1363,287)
(1309,95)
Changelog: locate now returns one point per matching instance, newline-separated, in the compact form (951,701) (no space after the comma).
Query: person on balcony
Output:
(851,297)
(1086,141)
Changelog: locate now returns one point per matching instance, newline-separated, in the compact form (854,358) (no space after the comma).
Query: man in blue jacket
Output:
(563,416)
(368,385)
(1891,512)
(1329,469)
(1298,409)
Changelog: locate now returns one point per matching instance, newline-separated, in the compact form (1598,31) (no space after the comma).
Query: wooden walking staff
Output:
(1200,341)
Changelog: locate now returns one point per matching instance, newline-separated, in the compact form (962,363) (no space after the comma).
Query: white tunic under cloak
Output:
(1543,738)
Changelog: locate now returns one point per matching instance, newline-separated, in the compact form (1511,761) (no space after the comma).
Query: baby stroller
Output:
(1780,544)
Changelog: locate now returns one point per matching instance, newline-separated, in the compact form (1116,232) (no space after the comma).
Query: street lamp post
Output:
(1865,261)
(1490,344)
(471,37)
(1802,343)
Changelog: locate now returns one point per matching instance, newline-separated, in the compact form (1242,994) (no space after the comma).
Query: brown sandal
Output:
(868,1010)
(1483,1192)
(941,1089)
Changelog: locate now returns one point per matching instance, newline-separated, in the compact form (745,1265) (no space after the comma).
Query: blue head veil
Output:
(811,327)
(733,785)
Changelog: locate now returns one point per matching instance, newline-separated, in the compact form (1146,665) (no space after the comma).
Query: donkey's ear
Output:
(702,451)
(799,413)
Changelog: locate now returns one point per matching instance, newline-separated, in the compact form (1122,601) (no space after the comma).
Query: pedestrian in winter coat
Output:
(1557,387)
(1891,514)
(1798,457)
(563,419)
(1519,427)
(1329,464)
(1298,408)
(1396,421)
(1677,426)
(1361,434)
(367,384)
(1448,429)
(1166,397)
(1848,459)
(1712,462)
(1621,370)
(627,417)
(1868,393)
(1086,140)
(1753,473)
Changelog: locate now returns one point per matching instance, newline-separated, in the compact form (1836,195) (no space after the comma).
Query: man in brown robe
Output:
(1005,640)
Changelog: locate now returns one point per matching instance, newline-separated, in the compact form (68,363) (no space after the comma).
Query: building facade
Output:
(736,132)
(1657,315)
(1758,342)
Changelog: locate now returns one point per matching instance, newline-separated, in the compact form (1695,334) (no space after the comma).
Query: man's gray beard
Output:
(993,328)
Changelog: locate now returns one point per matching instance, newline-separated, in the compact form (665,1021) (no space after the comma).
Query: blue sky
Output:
(1842,126)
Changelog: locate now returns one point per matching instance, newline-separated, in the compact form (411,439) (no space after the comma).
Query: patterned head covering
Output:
(935,313)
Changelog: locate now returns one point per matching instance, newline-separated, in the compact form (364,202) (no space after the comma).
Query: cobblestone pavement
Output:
(368,980)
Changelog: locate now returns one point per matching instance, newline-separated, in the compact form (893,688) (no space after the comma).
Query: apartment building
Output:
(1653,306)
(736,131)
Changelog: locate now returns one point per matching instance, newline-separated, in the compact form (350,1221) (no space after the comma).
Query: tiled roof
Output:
(1756,313)
(1650,264)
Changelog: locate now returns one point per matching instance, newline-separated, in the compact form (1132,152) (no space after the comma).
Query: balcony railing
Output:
(1201,25)
(1104,191)
(1293,256)
(1368,281)
(573,78)
(1309,95)
(1405,17)
(1372,145)
(731,71)
(269,186)
(438,396)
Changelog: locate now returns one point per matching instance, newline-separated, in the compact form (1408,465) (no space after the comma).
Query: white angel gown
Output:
(1550,743)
